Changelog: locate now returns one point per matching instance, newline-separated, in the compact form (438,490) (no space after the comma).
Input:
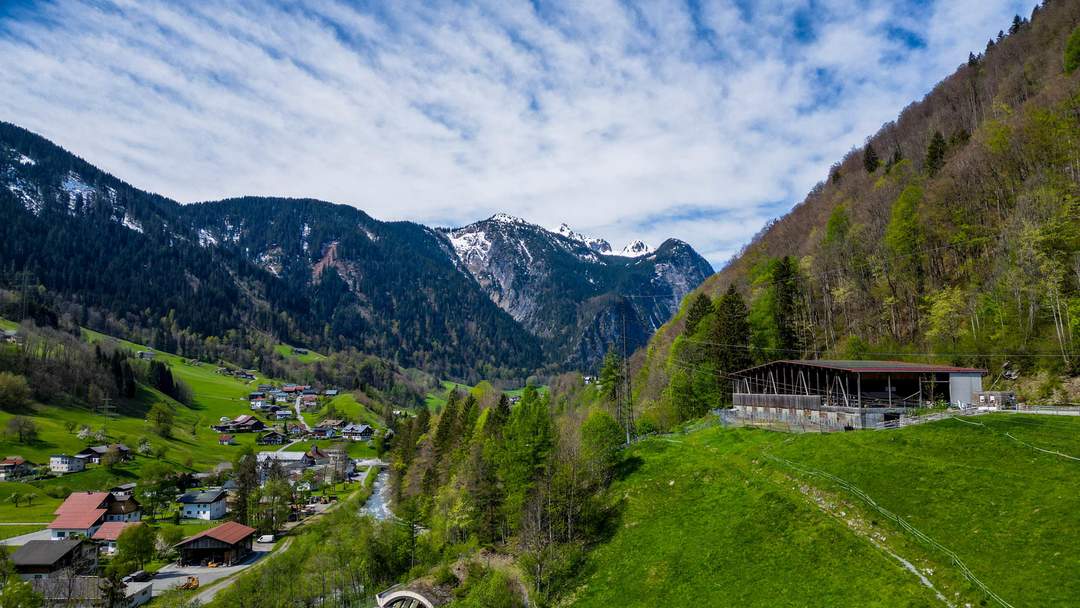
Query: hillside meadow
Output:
(717,517)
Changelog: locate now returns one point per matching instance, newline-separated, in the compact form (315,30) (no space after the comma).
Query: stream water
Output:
(378,505)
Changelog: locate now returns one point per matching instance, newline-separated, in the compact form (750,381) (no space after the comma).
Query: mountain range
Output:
(499,297)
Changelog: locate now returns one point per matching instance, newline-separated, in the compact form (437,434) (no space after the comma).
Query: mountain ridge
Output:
(311,272)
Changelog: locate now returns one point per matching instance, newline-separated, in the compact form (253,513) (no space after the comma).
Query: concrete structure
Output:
(848,394)
(412,595)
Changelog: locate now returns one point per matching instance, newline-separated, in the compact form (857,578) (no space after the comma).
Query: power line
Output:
(892,354)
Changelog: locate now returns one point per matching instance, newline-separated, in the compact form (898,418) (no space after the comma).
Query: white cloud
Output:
(597,114)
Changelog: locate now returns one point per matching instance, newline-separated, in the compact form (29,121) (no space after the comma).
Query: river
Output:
(378,505)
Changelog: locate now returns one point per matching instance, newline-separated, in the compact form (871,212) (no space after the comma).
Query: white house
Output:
(206,505)
(63,463)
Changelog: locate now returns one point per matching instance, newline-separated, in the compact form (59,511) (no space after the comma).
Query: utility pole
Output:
(106,411)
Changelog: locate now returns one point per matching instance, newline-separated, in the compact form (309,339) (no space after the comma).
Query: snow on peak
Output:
(634,249)
(506,218)
(596,244)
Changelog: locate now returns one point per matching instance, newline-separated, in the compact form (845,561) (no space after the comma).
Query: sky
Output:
(697,120)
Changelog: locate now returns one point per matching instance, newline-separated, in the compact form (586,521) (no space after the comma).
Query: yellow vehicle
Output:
(191,583)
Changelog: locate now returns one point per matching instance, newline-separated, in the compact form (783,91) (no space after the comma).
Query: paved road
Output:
(172,575)
(300,417)
(22,539)
(205,597)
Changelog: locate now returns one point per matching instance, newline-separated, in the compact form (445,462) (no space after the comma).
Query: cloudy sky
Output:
(699,120)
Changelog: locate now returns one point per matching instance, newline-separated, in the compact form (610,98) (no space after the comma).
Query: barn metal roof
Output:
(875,366)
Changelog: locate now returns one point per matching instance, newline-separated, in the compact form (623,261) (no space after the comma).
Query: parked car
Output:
(266,538)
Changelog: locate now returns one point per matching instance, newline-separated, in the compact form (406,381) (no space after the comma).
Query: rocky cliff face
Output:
(573,291)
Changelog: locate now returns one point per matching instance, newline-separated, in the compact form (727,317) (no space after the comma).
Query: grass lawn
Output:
(40,510)
(707,519)
(288,351)
(12,531)
(347,405)
(355,449)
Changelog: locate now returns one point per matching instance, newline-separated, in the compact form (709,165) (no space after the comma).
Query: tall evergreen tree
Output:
(732,333)
(700,307)
(935,154)
(870,158)
(611,376)
(785,279)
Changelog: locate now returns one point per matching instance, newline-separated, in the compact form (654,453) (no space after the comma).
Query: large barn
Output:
(226,544)
(848,394)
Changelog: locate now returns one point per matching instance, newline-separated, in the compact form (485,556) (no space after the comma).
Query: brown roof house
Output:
(227,544)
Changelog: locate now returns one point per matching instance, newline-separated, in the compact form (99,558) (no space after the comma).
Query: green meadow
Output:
(741,517)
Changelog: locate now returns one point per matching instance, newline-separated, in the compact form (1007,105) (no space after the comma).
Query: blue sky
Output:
(699,120)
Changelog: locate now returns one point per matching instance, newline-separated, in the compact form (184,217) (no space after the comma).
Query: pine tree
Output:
(935,154)
(700,307)
(1072,51)
(732,333)
(972,60)
(1017,23)
(786,305)
(870,158)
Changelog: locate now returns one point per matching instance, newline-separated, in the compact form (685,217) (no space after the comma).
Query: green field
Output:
(710,519)
(288,352)
(347,405)
(12,531)
(355,449)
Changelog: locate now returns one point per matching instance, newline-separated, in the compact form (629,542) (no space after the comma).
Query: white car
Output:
(266,538)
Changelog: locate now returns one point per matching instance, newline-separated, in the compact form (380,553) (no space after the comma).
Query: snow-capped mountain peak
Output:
(596,244)
(635,249)
(506,218)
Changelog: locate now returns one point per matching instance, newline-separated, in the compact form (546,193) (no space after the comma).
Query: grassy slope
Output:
(287,351)
(708,520)
(348,405)
(215,396)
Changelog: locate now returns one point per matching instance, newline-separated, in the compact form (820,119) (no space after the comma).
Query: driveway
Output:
(205,597)
(172,575)
(22,539)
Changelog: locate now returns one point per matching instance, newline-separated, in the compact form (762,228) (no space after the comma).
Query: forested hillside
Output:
(953,235)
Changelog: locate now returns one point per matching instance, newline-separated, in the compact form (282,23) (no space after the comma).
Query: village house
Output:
(145,355)
(42,559)
(331,392)
(322,432)
(82,513)
(358,432)
(96,452)
(283,415)
(241,424)
(226,439)
(14,467)
(109,532)
(225,545)
(208,505)
(271,438)
(123,490)
(290,462)
(11,336)
(63,463)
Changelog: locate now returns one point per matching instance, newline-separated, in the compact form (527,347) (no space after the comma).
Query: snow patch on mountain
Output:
(75,187)
(471,246)
(131,223)
(596,244)
(206,239)
(27,193)
(26,160)
(506,218)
